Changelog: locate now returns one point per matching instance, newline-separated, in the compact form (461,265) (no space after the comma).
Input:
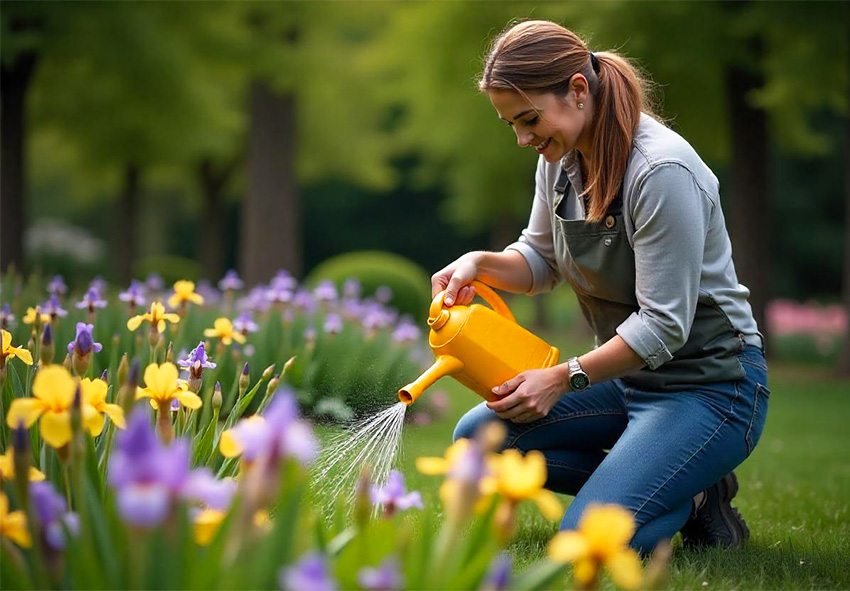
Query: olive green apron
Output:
(597,260)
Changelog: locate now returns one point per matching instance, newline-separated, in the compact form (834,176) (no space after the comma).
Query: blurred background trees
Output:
(269,135)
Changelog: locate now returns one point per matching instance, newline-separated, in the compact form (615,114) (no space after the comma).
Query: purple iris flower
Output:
(91,300)
(405,332)
(311,573)
(470,467)
(154,282)
(175,405)
(6,317)
(83,343)
(146,475)
(57,286)
(244,324)
(283,280)
(310,334)
(376,316)
(231,281)
(53,308)
(384,294)
(197,361)
(256,300)
(351,289)
(279,294)
(333,324)
(53,514)
(134,296)
(304,300)
(385,577)
(352,308)
(280,434)
(393,496)
(202,486)
(325,291)
(100,284)
(499,575)
(206,290)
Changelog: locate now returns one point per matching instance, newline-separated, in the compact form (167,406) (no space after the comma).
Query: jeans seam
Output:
(571,416)
(749,436)
(558,464)
(693,455)
(679,469)
(755,364)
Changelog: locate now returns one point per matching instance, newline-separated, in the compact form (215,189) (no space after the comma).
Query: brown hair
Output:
(542,56)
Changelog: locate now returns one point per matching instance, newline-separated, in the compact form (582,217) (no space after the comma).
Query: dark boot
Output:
(716,522)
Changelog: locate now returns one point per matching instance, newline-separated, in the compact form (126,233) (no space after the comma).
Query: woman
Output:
(674,396)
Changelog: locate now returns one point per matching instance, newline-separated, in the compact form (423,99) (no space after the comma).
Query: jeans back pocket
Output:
(758,418)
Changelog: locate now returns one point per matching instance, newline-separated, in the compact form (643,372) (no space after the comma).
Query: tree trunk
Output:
(843,366)
(125,238)
(14,81)
(750,202)
(271,225)
(210,236)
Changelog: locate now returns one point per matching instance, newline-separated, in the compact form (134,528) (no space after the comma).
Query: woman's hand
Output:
(530,395)
(455,279)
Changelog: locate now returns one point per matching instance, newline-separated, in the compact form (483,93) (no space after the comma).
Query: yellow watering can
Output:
(478,346)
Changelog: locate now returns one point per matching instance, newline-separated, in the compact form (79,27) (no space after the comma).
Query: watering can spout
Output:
(443,366)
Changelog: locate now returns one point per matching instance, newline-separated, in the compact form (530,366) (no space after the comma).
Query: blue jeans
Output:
(650,452)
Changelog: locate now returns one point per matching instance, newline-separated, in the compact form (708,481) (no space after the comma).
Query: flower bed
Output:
(118,472)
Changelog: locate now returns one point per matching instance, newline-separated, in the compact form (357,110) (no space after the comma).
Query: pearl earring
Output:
(581,105)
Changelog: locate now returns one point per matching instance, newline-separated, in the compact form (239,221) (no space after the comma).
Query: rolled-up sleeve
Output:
(535,243)
(671,215)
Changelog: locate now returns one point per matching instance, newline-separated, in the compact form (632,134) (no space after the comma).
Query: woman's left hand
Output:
(529,396)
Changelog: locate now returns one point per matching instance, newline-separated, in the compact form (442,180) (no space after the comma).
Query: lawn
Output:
(794,490)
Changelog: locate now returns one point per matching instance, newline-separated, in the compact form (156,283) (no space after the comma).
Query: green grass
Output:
(795,490)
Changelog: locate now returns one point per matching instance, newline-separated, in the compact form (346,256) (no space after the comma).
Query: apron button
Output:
(609,222)
(608,241)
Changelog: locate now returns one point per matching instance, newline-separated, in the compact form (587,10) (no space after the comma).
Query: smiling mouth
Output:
(542,146)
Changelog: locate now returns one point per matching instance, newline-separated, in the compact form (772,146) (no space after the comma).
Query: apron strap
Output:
(562,186)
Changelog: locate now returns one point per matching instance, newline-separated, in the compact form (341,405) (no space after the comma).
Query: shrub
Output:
(410,283)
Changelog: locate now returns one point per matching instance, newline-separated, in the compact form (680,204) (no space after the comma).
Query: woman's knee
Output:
(472,421)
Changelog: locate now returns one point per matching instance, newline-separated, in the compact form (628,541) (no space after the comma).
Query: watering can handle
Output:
(487,294)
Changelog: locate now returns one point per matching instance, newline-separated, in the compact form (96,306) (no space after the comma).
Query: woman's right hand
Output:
(455,279)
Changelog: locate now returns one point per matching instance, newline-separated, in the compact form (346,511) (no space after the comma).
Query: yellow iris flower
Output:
(53,395)
(207,522)
(94,393)
(517,477)
(34,315)
(13,525)
(464,467)
(223,329)
(8,351)
(156,317)
(602,540)
(162,386)
(184,291)
(7,467)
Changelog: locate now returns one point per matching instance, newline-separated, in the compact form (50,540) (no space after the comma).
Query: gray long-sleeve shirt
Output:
(674,224)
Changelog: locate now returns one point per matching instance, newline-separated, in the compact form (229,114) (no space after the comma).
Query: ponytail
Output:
(619,98)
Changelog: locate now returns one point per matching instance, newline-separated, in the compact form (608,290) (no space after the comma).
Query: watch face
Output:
(579,381)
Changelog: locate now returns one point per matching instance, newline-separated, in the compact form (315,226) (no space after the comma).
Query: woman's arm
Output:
(506,270)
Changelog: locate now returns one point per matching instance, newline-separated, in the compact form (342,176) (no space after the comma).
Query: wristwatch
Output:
(577,376)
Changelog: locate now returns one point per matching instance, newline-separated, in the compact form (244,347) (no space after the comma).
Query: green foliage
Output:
(410,283)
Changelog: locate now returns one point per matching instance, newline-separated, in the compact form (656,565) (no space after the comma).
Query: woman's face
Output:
(552,125)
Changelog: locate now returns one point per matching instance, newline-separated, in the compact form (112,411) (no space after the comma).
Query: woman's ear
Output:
(579,88)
